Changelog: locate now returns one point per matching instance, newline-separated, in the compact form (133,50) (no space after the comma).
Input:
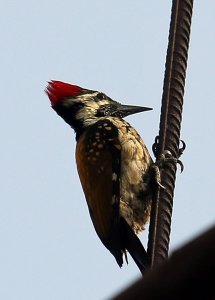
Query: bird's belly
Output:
(135,200)
(135,194)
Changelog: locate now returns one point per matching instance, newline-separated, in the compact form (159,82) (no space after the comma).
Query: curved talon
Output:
(180,164)
(156,175)
(155,146)
(157,139)
(161,186)
(154,149)
(181,150)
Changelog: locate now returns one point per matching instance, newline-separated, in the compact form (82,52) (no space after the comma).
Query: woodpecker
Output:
(115,168)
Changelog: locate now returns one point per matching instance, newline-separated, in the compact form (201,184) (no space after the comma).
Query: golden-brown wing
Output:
(98,163)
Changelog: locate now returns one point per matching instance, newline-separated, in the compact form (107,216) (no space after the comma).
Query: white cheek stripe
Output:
(87,113)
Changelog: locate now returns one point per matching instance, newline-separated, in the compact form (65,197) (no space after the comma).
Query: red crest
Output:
(58,90)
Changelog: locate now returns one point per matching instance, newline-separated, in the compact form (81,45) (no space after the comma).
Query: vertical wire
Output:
(170,125)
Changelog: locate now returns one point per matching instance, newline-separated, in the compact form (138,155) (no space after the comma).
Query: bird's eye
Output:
(105,110)
(101,96)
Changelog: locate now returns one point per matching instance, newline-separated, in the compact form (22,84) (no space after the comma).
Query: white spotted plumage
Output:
(136,162)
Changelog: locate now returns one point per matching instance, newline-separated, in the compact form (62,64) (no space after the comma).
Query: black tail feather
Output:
(132,243)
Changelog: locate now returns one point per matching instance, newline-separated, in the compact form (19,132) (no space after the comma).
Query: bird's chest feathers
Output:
(135,158)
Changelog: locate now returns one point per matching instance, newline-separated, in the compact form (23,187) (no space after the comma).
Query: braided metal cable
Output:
(170,125)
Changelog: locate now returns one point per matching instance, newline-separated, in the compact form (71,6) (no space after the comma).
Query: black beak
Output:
(126,110)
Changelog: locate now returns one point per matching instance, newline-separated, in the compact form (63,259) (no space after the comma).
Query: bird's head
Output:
(81,108)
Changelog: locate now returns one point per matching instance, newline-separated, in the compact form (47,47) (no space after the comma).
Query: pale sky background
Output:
(49,249)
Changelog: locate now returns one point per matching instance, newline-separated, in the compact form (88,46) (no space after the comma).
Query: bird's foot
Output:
(165,158)
(156,143)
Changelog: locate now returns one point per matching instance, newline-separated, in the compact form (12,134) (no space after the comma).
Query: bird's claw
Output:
(155,146)
(156,175)
(181,150)
(167,157)
(160,185)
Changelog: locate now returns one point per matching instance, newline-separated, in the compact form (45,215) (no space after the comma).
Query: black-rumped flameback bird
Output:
(114,166)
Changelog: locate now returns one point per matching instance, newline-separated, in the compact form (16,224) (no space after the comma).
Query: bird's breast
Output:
(135,199)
